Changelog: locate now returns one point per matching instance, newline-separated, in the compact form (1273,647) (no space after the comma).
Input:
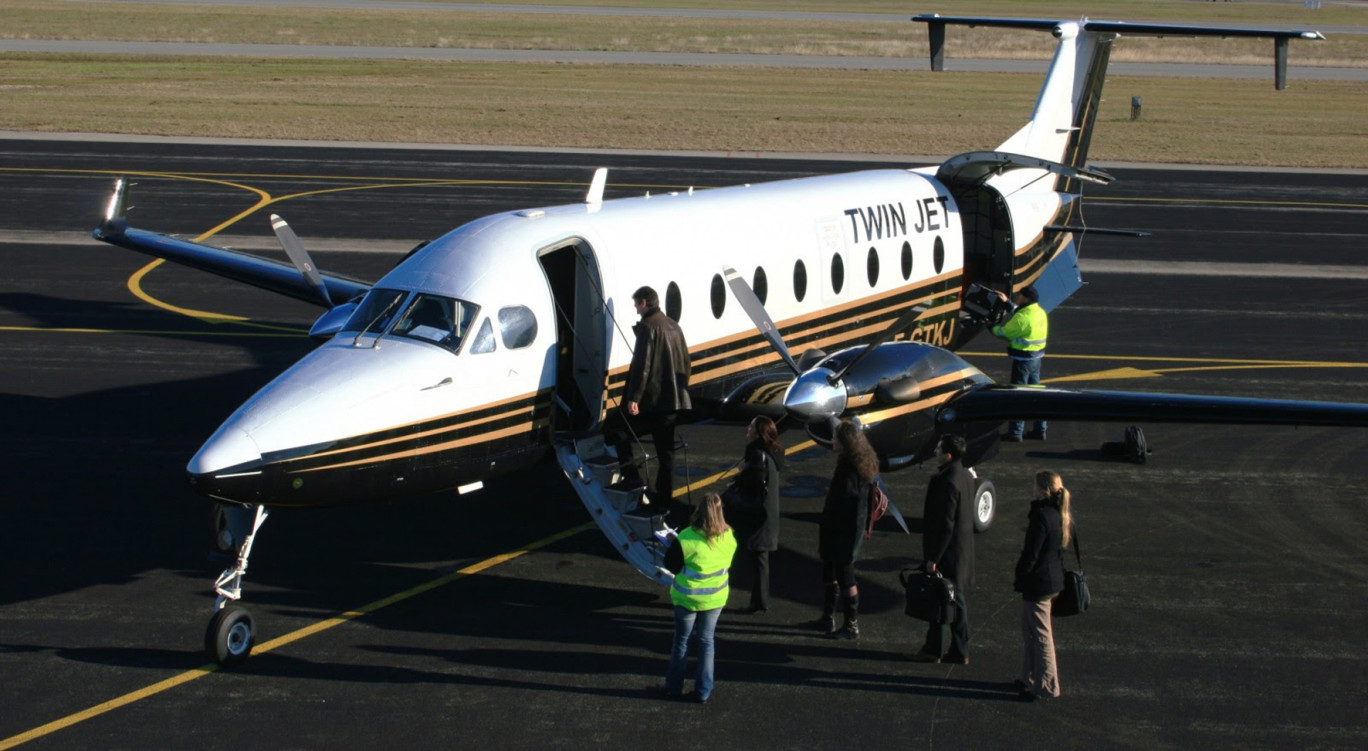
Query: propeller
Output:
(300,258)
(817,393)
(756,310)
(909,317)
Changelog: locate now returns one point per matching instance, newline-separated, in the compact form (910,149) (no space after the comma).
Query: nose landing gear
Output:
(231,633)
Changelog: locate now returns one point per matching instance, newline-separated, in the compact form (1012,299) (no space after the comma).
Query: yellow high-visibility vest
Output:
(1027,329)
(702,583)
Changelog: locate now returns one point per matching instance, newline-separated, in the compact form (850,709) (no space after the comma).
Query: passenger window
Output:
(837,274)
(517,326)
(760,284)
(719,296)
(484,339)
(799,281)
(872,267)
(674,305)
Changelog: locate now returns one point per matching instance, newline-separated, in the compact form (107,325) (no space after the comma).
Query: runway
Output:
(1229,573)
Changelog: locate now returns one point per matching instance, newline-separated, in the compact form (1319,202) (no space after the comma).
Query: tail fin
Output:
(1060,129)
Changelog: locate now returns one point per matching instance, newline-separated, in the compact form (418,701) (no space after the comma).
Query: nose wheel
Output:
(231,632)
(229,638)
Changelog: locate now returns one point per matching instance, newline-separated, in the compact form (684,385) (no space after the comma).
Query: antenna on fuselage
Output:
(594,199)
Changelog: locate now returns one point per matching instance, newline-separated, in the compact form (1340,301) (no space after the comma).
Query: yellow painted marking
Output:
(1099,375)
(276,643)
(282,331)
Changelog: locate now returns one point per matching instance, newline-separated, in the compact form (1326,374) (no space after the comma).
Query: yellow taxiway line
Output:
(293,636)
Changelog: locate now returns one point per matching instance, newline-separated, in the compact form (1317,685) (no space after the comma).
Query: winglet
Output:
(116,211)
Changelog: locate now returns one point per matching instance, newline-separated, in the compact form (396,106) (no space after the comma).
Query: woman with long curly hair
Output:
(844,516)
(1039,579)
(699,558)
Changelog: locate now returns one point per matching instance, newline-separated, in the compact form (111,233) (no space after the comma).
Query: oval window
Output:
(719,296)
(872,266)
(673,303)
(517,326)
(907,260)
(799,281)
(760,285)
(938,255)
(837,274)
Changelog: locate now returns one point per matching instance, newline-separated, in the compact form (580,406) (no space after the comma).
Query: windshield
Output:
(430,318)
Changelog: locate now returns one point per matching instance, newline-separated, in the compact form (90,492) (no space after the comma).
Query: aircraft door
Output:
(572,274)
(988,241)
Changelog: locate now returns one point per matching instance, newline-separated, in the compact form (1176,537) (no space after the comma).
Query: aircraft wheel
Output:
(229,638)
(223,536)
(985,505)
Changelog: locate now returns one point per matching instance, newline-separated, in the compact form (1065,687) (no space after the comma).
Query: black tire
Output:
(985,505)
(223,536)
(230,636)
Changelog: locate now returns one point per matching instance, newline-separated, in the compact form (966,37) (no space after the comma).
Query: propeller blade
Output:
(756,310)
(909,317)
(300,257)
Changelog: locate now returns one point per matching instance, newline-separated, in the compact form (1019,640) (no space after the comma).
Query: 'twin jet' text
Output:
(890,219)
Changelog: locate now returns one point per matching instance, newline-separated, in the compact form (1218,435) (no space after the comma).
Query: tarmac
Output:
(1229,573)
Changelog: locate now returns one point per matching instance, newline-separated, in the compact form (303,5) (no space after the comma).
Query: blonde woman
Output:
(1039,579)
(699,559)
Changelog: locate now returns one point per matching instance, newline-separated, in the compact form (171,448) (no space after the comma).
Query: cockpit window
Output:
(517,326)
(484,339)
(440,320)
(376,311)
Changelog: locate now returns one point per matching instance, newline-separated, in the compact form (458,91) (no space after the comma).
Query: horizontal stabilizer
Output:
(1001,402)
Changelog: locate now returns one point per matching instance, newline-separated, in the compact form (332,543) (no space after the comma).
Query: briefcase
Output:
(930,596)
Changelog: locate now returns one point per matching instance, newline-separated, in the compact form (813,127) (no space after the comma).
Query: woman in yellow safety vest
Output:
(699,559)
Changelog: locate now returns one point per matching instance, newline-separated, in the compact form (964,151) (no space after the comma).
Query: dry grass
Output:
(645,107)
(50,19)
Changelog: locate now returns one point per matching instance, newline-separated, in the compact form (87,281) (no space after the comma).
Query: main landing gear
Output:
(231,633)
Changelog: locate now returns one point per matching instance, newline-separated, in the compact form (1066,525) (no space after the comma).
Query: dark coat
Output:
(658,380)
(844,516)
(948,523)
(1040,568)
(760,479)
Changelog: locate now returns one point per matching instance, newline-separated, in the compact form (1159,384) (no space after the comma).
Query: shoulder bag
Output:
(1075,598)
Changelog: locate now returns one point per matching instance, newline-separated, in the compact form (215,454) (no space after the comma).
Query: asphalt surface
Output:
(1229,573)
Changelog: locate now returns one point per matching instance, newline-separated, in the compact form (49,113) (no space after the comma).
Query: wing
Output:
(268,274)
(1000,402)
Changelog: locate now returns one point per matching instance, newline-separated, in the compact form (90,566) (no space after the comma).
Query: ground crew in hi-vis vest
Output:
(699,558)
(1025,331)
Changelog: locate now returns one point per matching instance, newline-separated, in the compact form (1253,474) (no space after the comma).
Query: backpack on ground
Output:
(1132,449)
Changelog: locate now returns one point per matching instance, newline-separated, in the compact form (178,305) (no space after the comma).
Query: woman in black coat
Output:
(757,514)
(844,516)
(1039,579)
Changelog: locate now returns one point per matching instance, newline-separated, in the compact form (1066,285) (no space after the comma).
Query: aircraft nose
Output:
(812,398)
(229,450)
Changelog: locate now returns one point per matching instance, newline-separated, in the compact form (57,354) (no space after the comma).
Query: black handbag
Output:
(1075,598)
(930,596)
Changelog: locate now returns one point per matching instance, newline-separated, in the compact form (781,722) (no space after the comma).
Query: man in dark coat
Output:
(657,390)
(948,547)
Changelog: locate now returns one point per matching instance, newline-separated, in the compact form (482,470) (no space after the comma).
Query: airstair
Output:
(638,532)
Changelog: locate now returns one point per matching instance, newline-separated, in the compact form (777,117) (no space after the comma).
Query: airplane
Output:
(501,343)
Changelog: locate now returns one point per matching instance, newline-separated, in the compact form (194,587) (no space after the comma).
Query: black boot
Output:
(851,628)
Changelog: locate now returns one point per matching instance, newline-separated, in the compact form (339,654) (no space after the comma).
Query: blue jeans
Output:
(700,624)
(1025,372)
